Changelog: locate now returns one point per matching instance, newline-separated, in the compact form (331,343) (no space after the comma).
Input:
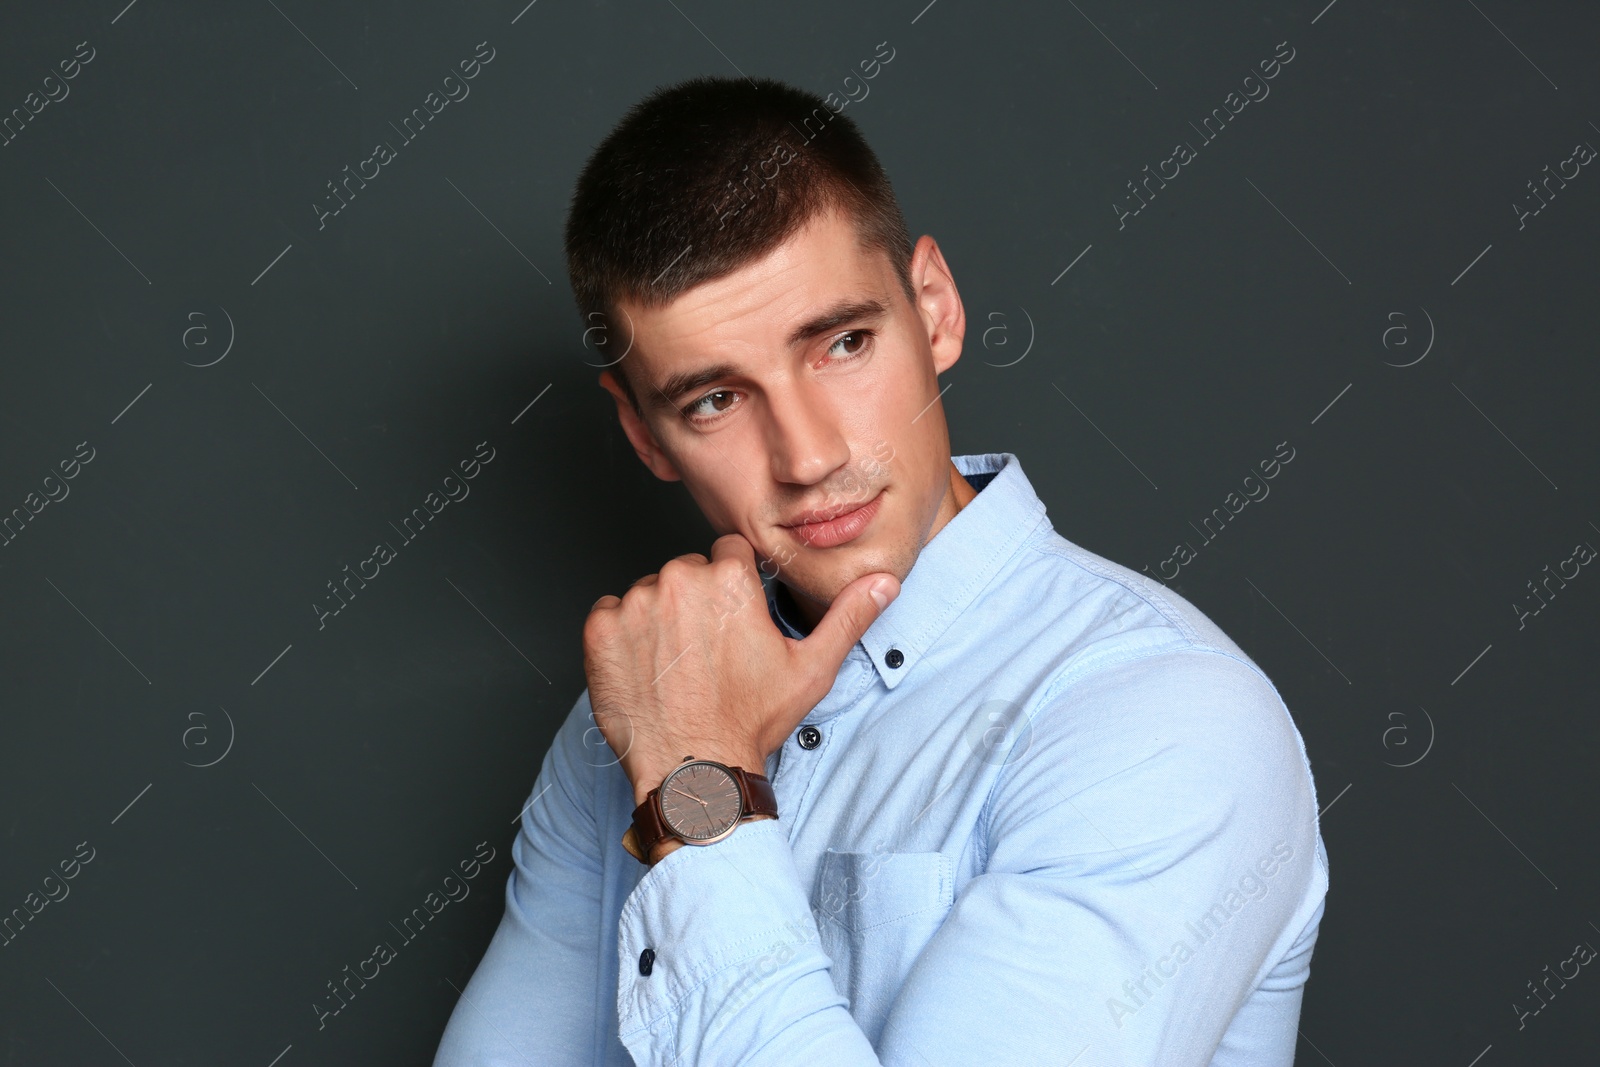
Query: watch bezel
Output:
(666,821)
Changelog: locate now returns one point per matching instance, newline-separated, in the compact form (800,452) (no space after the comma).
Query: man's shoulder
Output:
(1136,676)
(1095,613)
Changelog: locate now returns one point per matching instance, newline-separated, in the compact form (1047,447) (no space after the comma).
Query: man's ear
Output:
(638,431)
(938,302)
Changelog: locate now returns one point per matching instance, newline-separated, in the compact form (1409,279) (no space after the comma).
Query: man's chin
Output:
(822,585)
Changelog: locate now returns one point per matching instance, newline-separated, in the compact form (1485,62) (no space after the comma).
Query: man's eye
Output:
(856,342)
(698,408)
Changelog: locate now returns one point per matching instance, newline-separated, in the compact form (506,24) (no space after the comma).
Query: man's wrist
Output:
(643,785)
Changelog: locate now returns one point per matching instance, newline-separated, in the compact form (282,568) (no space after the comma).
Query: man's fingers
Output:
(852,612)
(733,546)
(652,579)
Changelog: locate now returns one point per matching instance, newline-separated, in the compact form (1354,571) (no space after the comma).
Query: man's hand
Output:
(689,663)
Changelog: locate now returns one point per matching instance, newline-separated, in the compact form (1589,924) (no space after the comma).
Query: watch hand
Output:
(681,793)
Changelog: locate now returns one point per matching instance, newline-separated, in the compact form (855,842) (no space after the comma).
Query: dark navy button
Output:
(894,657)
(810,737)
(647,960)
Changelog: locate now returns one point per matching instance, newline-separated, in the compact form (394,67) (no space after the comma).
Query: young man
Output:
(1037,809)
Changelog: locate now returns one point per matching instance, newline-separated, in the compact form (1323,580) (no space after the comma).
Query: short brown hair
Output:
(701,178)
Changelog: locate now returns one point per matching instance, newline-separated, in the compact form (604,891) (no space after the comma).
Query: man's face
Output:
(805,383)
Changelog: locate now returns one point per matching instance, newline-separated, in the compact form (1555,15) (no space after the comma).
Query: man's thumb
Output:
(852,612)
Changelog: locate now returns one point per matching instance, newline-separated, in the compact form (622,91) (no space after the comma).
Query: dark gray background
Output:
(1375,585)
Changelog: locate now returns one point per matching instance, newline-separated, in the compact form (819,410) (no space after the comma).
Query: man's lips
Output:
(836,525)
(824,514)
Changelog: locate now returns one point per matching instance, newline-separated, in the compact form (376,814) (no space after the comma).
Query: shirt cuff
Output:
(703,910)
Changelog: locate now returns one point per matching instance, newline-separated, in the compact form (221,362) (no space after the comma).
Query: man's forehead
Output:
(809,271)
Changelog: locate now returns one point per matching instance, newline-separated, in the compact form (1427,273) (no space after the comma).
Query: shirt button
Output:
(810,737)
(894,657)
(647,960)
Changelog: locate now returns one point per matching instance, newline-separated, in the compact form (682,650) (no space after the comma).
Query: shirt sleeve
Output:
(535,986)
(1150,841)
(1154,850)
(737,975)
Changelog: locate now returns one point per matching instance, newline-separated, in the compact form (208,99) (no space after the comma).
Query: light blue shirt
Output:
(1050,814)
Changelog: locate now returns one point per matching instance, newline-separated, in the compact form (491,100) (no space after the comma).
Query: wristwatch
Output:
(700,802)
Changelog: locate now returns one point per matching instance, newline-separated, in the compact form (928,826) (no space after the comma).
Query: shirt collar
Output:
(957,564)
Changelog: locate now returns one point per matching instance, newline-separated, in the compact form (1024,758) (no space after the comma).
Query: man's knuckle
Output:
(596,629)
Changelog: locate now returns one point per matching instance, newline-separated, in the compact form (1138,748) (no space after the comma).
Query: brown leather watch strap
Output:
(756,792)
(646,828)
(756,797)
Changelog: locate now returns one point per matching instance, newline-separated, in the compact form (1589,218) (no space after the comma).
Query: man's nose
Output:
(804,439)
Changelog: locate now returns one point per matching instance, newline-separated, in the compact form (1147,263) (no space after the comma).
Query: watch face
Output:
(700,802)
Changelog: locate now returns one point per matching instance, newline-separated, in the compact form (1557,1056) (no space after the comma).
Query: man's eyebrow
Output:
(668,392)
(836,316)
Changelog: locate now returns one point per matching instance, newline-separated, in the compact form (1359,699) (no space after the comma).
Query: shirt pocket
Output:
(862,891)
(876,912)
